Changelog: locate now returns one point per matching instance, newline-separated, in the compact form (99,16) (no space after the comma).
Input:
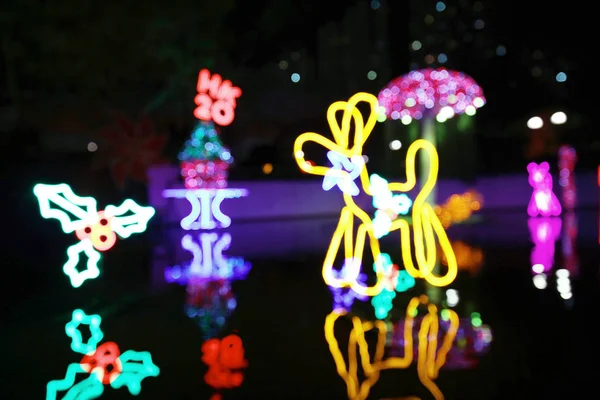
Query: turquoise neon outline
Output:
(133,373)
(405,281)
(383,197)
(88,389)
(70,267)
(71,328)
(383,302)
(125,226)
(69,201)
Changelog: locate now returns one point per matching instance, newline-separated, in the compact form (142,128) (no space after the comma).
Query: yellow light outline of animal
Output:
(428,365)
(345,229)
(425,221)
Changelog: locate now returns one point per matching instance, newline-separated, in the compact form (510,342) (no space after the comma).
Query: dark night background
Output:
(69,70)
(69,67)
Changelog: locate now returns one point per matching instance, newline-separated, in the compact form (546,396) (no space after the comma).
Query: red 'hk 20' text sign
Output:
(216,98)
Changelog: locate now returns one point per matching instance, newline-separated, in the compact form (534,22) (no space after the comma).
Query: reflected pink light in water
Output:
(569,244)
(543,200)
(544,234)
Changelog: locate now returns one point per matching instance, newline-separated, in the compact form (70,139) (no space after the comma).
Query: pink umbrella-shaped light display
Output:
(429,94)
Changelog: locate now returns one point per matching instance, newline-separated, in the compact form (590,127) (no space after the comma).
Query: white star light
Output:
(343,173)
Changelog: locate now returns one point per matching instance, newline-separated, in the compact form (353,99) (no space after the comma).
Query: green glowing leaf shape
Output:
(72,330)
(129,218)
(137,365)
(59,202)
(88,389)
(90,272)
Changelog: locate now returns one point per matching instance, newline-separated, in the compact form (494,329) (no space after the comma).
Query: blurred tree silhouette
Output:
(108,51)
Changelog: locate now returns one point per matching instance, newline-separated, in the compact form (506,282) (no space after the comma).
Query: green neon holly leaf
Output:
(72,330)
(129,217)
(59,202)
(88,389)
(136,365)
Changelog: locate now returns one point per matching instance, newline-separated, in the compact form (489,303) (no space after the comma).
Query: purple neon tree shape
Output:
(427,95)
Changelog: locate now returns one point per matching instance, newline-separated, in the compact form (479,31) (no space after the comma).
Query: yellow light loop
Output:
(429,359)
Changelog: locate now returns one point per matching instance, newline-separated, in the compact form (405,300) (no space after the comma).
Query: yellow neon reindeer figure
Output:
(353,250)
(430,359)
(425,221)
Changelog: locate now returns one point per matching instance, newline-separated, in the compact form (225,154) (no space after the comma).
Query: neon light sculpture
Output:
(425,222)
(543,200)
(395,281)
(210,299)
(226,363)
(388,206)
(544,233)
(216,98)
(204,159)
(104,364)
(429,95)
(567,158)
(343,173)
(206,206)
(96,230)
(344,298)
(430,356)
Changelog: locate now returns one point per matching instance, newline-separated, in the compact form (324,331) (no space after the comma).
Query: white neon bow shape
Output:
(388,205)
(343,173)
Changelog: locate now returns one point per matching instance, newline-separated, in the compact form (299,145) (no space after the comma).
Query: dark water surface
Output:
(543,345)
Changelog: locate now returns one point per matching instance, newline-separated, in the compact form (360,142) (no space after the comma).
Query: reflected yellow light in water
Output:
(426,224)
(467,258)
(429,358)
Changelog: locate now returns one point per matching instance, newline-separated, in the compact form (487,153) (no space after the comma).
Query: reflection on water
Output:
(472,340)
(210,301)
(437,342)
(545,232)
(468,258)
(225,361)
(208,275)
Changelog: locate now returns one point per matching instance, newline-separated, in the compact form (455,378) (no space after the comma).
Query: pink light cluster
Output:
(543,200)
(425,92)
(544,234)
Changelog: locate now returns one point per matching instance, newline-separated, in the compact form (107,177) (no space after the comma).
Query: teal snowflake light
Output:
(394,281)
(103,364)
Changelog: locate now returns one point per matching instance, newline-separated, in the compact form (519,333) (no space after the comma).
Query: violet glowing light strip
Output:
(206,206)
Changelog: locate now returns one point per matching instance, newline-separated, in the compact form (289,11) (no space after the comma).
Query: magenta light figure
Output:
(543,200)
(544,234)
(567,158)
